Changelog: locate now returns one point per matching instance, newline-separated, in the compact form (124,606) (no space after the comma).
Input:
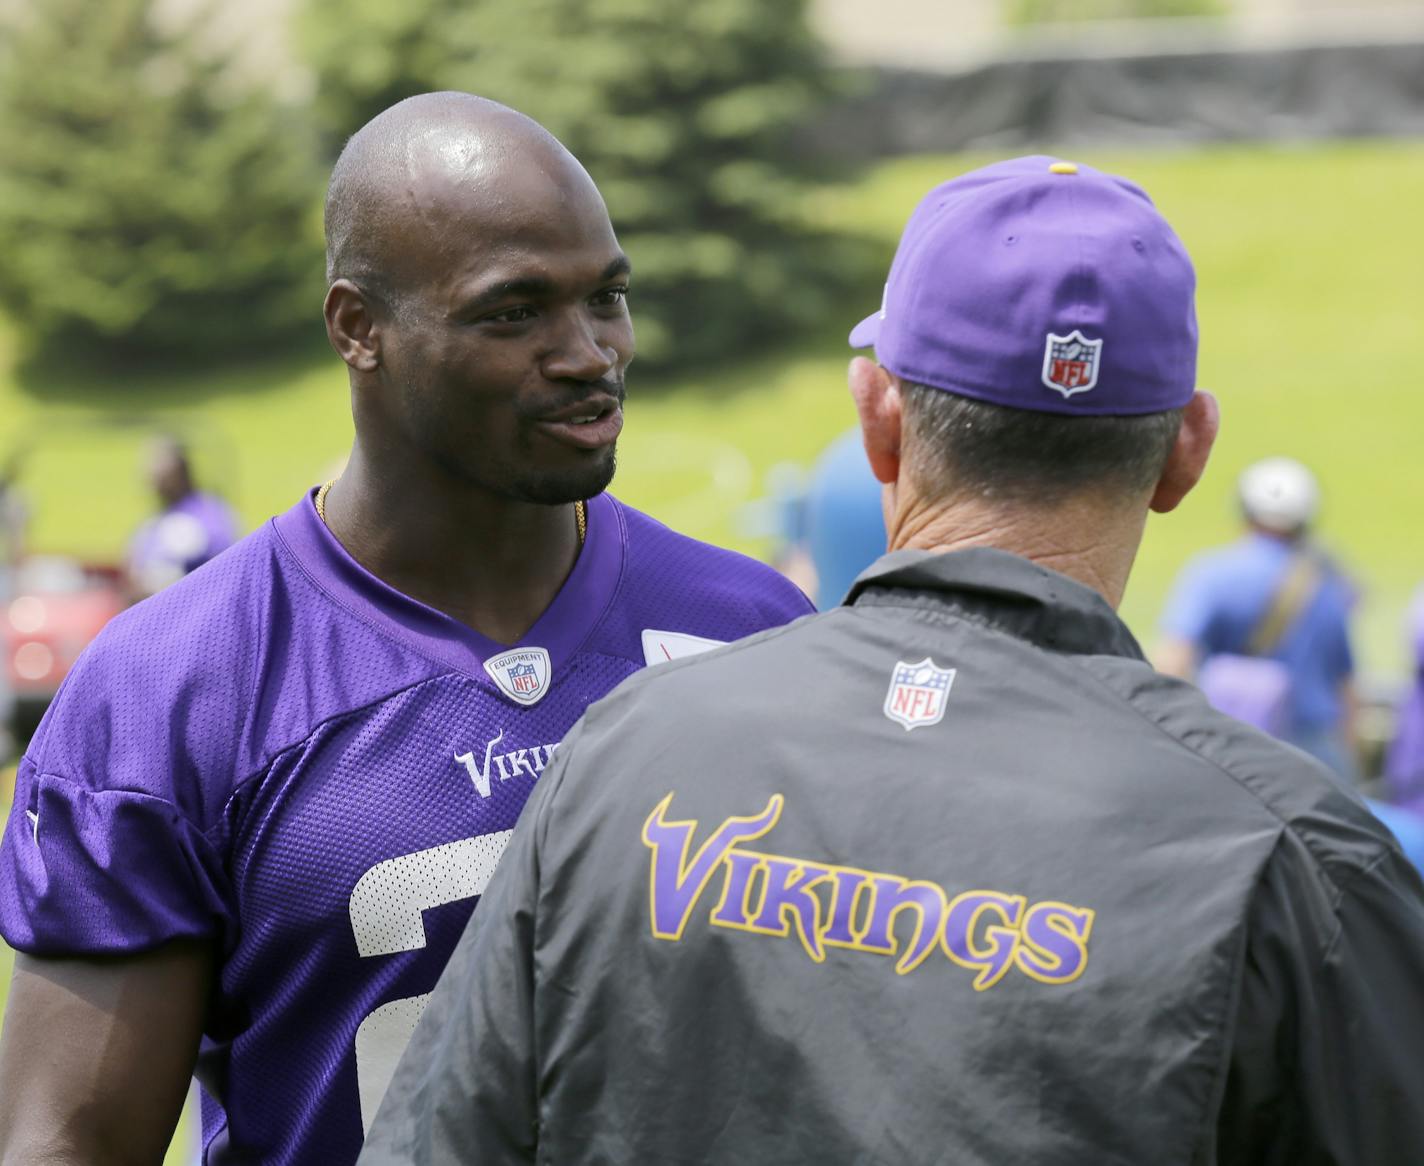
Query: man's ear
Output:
(351,326)
(1187,461)
(878,405)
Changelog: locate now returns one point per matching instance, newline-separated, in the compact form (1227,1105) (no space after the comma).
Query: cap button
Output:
(1063,168)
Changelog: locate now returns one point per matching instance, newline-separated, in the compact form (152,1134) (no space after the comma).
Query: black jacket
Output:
(946,875)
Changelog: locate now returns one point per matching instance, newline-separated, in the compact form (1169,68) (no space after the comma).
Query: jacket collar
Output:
(1000,590)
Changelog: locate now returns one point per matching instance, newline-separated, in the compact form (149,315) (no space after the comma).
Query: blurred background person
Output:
(845,518)
(1404,765)
(830,522)
(1263,625)
(191,526)
(1403,776)
(14,518)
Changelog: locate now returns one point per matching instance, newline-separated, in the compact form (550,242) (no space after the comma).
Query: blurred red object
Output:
(54,608)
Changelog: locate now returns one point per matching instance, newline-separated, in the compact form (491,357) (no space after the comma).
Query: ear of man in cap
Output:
(1036,379)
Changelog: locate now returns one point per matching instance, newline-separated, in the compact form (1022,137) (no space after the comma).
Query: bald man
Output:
(263,806)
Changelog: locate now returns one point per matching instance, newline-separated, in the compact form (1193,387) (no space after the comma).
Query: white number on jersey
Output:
(387,906)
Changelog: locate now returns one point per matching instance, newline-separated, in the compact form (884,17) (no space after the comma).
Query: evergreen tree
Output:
(369,54)
(682,114)
(149,206)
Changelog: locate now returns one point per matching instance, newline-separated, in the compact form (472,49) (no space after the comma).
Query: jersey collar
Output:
(566,623)
(1003,590)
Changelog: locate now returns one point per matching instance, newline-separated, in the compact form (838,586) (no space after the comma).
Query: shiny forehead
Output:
(441,168)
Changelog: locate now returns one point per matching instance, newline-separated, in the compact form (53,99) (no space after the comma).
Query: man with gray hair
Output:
(949,874)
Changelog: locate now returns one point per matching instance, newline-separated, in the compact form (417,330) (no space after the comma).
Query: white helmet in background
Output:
(1279,494)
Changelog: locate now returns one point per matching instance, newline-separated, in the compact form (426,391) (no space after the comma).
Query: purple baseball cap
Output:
(1043,285)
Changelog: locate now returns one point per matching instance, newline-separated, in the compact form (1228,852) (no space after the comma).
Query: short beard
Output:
(574,486)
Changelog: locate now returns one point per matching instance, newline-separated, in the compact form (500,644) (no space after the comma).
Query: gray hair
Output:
(958,445)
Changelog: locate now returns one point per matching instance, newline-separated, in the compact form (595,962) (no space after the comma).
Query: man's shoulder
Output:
(216,672)
(680,699)
(211,608)
(661,559)
(650,538)
(1277,786)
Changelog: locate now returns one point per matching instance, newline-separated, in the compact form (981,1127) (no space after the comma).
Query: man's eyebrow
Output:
(532,287)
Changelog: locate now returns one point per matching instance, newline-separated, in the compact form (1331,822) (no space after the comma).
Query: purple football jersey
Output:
(282,753)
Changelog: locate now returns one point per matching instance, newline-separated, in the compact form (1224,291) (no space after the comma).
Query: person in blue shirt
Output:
(1223,598)
(845,518)
(829,522)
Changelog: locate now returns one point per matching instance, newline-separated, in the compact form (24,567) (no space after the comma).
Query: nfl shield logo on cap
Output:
(1070,363)
(918,693)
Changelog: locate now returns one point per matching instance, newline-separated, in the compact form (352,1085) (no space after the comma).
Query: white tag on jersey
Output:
(659,647)
(521,673)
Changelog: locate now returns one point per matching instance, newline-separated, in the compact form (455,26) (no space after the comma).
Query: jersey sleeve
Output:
(101,852)
(466,1088)
(1325,1063)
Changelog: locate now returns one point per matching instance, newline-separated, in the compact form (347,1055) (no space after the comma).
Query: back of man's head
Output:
(1040,318)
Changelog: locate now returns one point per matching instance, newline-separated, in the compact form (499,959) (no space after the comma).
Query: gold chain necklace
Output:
(580,510)
(321,500)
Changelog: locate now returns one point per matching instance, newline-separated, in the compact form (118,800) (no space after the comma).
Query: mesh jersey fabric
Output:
(287,756)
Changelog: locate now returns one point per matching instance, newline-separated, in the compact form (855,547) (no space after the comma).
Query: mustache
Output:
(611,386)
(608,386)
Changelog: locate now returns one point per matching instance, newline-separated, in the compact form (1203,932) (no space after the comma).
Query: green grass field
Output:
(1311,303)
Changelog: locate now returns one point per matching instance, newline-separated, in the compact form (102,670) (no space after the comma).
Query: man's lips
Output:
(588,424)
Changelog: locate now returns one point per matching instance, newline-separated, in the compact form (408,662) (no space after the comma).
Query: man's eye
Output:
(610,296)
(511,316)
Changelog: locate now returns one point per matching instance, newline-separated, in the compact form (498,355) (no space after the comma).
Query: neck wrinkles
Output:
(1087,539)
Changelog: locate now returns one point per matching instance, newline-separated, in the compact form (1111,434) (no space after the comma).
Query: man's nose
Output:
(582,351)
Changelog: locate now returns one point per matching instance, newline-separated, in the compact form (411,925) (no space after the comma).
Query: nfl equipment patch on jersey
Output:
(522,674)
